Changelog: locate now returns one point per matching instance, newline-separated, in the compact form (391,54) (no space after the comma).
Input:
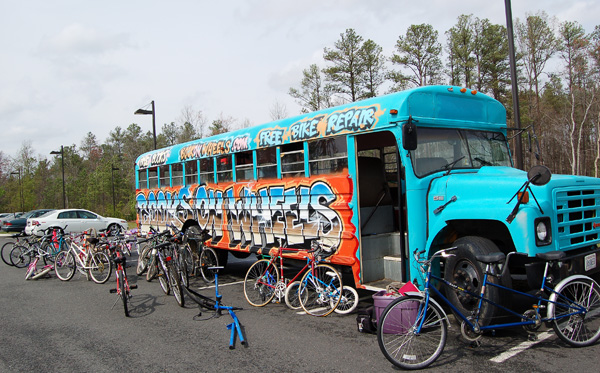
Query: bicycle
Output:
(77,257)
(412,329)
(123,289)
(33,272)
(8,247)
(318,292)
(217,306)
(202,259)
(161,266)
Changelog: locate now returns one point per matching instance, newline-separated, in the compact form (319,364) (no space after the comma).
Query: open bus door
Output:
(380,210)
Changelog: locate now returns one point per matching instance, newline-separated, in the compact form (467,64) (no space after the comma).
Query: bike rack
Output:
(217,306)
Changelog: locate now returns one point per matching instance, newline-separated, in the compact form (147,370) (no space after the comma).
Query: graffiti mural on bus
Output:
(256,215)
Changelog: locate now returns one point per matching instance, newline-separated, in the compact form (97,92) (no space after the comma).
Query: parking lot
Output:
(51,325)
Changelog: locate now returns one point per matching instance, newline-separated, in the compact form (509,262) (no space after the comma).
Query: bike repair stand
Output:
(217,306)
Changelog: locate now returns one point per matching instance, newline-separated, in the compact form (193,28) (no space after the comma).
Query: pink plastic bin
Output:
(405,316)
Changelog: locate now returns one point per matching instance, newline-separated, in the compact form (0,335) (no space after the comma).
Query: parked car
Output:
(8,216)
(18,224)
(74,221)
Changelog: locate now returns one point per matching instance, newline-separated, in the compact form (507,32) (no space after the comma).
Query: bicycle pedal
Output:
(112,291)
(134,286)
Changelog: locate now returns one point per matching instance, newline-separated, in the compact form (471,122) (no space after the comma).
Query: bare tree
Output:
(278,111)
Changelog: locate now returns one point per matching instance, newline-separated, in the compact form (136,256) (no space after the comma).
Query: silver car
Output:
(74,221)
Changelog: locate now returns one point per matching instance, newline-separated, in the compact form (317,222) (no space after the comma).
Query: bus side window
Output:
(165,176)
(266,163)
(143,179)
(224,169)
(177,174)
(292,160)
(328,156)
(244,166)
(207,170)
(191,172)
(152,178)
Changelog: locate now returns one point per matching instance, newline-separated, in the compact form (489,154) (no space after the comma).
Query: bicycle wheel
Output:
(578,329)
(175,280)
(143,261)
(208,258)
(163,278)
(152,270)
(122,291)
(64,265)
(320,290)
(397,336)
(259,283)
(20,256)
(6,249)
(291,296)
(184,274)
(348,301)
(100,267)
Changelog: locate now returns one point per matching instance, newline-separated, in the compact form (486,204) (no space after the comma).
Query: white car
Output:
(74,221)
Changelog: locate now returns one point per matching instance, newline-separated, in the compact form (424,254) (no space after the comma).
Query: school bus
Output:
(377,180)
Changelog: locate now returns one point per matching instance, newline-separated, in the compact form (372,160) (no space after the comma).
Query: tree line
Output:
(558,68)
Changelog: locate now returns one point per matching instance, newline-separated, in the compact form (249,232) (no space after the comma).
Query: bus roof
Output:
(448,106)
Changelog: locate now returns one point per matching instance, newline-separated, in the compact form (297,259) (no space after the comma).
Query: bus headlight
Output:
(543,233)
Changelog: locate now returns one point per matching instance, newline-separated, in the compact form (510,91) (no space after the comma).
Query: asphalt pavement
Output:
(54,326)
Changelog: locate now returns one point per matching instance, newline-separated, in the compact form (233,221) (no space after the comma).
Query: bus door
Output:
(380,212)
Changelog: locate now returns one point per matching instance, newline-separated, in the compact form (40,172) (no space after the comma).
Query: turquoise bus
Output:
(376,180)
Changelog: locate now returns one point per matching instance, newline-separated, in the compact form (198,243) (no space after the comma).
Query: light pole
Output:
(147,112)
(18,172)
(112,177)
(515,89)
(62,160)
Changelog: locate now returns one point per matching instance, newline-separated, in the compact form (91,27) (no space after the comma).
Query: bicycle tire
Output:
(5,252)
(122,291)
(396,332)
(208,258)
(175,280)
(184,274)
(578,330)
(348,301)
(143,261)
(65,265)
(152,270)
(260,281)
(163,278)
(291,297)
(20,256)
(100,267)
(320,290)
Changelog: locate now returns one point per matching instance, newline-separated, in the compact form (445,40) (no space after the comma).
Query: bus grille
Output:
(578,217)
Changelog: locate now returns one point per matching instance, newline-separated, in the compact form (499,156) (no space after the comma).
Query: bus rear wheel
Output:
(466,272)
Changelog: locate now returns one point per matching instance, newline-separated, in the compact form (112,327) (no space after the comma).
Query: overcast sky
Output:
(73,67)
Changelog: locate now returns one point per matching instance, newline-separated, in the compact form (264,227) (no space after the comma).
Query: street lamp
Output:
(112,178)
(62,159)
(147,112)
(18,172)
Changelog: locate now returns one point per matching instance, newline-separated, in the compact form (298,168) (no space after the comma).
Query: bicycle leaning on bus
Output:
(412,330)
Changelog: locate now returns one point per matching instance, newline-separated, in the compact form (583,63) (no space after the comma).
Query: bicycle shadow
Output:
(142,305)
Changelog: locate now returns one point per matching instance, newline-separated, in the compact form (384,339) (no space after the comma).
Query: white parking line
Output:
(522,347)
(221,285)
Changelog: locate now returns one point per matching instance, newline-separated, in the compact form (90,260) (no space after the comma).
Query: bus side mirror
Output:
(409,135)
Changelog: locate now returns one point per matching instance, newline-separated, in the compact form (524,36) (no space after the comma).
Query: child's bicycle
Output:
(33,272)
(217,306)
(412,329)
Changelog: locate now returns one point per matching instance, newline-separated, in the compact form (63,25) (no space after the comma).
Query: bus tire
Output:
(465,271)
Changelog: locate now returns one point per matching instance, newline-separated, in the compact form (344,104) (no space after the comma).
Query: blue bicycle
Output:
(412,330)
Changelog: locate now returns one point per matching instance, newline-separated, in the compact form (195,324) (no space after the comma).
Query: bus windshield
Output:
(437,148)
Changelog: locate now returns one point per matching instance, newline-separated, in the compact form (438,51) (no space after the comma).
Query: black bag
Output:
(364,320)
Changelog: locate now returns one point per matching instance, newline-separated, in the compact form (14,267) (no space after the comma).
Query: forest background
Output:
(558,68)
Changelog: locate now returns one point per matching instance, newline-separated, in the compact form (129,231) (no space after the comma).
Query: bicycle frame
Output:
(541,302)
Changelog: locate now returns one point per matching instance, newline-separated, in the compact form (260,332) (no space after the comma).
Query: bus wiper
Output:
(450,166)
(483,161)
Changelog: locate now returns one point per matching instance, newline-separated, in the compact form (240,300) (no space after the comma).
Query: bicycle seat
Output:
(551,255)
(491,258)
(120,260)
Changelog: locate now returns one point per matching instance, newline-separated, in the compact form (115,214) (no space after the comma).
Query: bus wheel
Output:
(465,271)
